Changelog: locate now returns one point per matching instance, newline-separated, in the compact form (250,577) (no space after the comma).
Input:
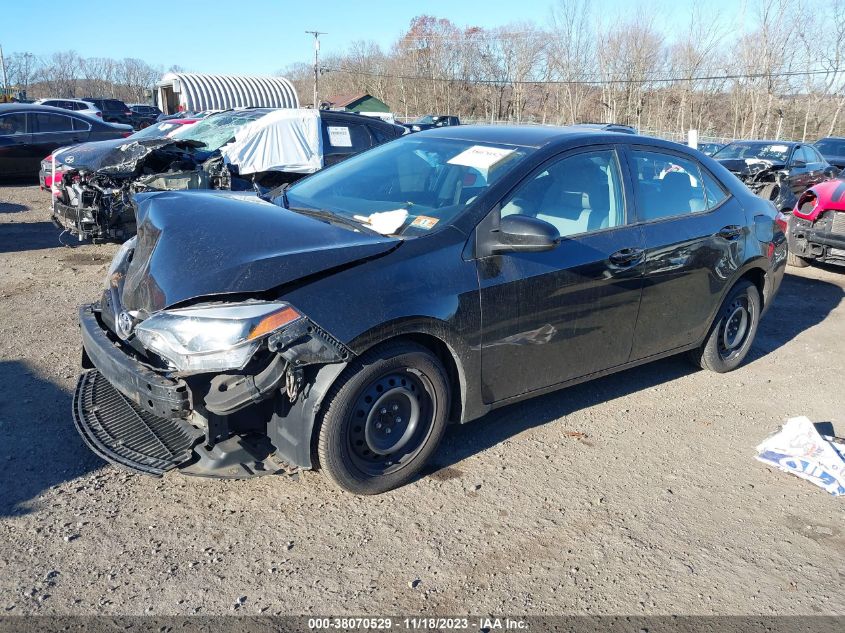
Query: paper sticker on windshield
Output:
(339,136)
(778,148)
(424,222)
(480,157)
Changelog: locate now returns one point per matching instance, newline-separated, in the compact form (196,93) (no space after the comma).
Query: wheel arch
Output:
(430,336)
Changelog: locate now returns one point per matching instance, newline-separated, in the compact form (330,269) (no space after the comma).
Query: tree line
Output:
(776,71)
(67,75)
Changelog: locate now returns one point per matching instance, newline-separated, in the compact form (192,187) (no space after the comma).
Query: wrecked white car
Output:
(256,148)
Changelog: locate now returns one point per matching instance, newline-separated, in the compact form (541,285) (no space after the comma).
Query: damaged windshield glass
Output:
(409,186)
(217,130)
(776,152)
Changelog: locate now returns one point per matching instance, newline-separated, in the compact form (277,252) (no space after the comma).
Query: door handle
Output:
(730,232)
(627,257)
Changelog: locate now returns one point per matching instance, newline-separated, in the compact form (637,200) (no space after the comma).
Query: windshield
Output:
(156,130)
(217,130)
(427,119)
(776,152)
(831,147)
(408,186)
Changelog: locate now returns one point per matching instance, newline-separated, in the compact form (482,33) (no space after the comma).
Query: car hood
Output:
(116,157)
(195,244)
(748,165)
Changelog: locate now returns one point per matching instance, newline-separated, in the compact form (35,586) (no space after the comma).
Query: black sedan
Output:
(776,170)
(430,279)
(28,133)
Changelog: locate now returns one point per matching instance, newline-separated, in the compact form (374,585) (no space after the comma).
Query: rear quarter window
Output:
(49,123)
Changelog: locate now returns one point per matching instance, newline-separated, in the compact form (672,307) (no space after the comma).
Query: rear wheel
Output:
(796,260)
(383,418)
(733,331)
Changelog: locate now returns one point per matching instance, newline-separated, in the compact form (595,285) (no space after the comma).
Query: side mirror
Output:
(525,234)
(799,164)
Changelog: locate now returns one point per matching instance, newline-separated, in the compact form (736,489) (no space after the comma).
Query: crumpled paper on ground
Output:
(800,449)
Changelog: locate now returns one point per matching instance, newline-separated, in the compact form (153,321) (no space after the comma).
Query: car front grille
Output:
(122,433)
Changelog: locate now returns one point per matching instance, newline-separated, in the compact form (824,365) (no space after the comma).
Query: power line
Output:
(603,81)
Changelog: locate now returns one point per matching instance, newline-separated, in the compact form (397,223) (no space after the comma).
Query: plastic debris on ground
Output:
(801,449)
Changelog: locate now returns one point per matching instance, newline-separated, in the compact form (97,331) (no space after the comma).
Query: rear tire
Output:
(797,261)
(732,332)
(383,418)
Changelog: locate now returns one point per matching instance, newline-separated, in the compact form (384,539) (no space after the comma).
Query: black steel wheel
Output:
(732,333)
(383,418)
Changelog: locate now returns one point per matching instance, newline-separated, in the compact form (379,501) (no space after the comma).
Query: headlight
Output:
(213,338)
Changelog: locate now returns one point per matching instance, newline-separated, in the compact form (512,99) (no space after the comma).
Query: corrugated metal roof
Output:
(219,92)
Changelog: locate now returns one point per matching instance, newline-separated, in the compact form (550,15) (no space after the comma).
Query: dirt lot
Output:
(659,507)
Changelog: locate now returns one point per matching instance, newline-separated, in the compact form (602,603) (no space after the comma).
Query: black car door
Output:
(553,316)
(819,166)
(17,158)
(800,170)
(694,235)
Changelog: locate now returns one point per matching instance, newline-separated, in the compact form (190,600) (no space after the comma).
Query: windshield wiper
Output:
(332,218)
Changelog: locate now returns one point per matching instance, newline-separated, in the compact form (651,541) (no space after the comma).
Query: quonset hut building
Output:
(194,92)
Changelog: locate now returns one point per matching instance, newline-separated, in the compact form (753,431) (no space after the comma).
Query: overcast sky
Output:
(263,36)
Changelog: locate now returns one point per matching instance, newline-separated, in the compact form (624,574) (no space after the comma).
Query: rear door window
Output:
(667,185)
(13,124)
(51,123)
(343,138)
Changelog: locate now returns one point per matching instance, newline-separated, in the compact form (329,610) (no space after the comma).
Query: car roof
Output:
(541,135)
(768,142)
(34,107)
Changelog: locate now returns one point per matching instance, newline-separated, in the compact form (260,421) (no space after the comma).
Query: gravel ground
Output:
(633,494)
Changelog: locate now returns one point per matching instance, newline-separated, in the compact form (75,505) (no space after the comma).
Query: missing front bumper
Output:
(121,432)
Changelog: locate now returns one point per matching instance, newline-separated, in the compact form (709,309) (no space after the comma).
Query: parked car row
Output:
(93,184)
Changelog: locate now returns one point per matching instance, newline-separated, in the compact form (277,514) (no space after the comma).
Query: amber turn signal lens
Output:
(273,321)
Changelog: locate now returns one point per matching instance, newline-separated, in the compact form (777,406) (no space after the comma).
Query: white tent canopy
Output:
(284,140)
(195,92)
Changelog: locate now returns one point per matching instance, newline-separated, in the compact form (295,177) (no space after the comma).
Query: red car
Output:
(817,225)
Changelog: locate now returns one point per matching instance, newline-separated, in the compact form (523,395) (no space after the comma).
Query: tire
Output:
(769,192)
(796,260)
(733,331)
(383,418)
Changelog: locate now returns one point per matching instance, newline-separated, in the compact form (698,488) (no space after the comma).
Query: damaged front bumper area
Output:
(822,239)
(234,424)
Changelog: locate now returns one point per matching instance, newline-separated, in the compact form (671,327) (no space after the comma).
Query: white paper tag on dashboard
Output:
(480,157)
(384,222)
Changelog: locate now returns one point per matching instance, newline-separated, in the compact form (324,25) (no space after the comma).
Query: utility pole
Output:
(316,35)
(5,78)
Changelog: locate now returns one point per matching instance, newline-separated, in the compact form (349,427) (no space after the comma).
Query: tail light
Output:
(99,114)
(126,134)
(48,157)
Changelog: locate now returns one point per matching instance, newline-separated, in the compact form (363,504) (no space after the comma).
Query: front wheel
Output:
(797,261)
(383,418)
(733,331)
